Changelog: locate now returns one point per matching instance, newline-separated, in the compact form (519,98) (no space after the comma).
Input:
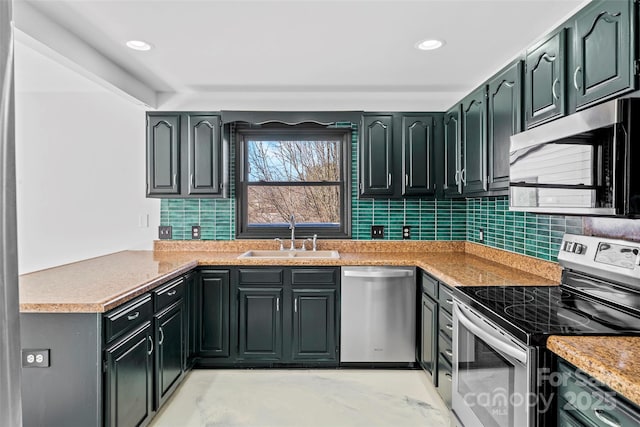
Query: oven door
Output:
(491,374)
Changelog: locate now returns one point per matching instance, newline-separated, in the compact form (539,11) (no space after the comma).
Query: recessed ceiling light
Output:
(430,44)
(138,45)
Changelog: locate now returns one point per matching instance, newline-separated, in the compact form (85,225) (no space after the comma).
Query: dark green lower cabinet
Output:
(314,315)
(213,311)
(260,325)
(128,383)
(169,351)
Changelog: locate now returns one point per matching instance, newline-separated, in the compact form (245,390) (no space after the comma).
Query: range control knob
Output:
(578,248)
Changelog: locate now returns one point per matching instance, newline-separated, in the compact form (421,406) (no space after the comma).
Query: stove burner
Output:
(539,315)
(506,295)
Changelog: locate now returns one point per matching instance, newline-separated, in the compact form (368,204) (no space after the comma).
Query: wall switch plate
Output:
(481,235)
(164,232)
(195,232)
(377,231)
(35,358)
(406,232)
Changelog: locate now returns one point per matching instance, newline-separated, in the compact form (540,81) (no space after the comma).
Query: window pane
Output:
(305,160)
(311,205)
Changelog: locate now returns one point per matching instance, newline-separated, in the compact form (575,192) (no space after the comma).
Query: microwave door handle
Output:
(516,353)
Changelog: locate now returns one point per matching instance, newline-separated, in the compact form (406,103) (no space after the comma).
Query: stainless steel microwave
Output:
(582,164)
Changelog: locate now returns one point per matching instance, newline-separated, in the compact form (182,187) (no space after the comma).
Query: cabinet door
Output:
(603,51)
(417,155)
(376,156)
(213,306)
(260,325)
(429,340)
(545,81)
(128,380)
(314,324)
(474,139)
(452,152)
(163,154)
(170,355)
(205,155)
(505,120)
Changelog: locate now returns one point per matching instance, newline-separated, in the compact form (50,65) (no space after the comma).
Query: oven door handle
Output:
(516,353)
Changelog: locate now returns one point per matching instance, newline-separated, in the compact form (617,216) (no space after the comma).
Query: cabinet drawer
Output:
(445,298)
(445,348)
(121,320)
(564,419)
(168,294)
(262,275)
(313,276)
(586,400)
(444,380)
(430,286)
(445,323)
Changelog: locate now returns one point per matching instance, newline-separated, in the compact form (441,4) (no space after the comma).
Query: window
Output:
(300,170)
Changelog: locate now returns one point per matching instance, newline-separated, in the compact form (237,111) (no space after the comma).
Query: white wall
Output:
(80,153)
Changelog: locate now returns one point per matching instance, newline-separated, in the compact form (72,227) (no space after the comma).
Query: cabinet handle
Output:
(553,88)
(608,419)
(448,375)
(463,176)
(406,179)
(171,293)
(575,77)
(449,301)
(448,353)
(150,341)
(175,177)
(278,304)
(133,316)
(389,180)
(161,335)
(457,177)
(295,305)
(449,326)
(193,181)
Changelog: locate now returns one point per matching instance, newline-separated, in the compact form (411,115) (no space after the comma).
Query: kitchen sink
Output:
(288,254)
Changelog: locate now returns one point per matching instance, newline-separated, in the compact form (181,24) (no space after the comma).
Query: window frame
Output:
(305,131)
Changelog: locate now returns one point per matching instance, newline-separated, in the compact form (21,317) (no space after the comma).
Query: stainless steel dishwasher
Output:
(378,314)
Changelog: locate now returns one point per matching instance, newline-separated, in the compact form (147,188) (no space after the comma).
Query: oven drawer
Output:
(587,401)
(445,298)
(445,380)
(445,323)
(445,347)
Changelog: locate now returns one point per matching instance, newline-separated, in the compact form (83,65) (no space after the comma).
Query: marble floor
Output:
(303,397)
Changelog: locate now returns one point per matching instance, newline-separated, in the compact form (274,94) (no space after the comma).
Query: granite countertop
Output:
(611,360)
(100,284)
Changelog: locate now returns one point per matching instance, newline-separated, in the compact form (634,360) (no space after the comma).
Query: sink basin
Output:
(286,254)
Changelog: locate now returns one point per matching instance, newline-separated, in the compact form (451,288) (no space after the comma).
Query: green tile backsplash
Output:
(520,232)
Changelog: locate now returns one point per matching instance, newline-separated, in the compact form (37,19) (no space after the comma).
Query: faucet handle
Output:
(281,245)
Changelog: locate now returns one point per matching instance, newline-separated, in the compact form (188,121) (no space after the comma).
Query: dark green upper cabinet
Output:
(185,155)
(417,153)
(376,156)
(163,154)
(545,94)
(452,184)
(205,155)
(474,142)
(603,58)
(260,324)
(504,120)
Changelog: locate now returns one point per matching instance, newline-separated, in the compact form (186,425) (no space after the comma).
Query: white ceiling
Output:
(300,47)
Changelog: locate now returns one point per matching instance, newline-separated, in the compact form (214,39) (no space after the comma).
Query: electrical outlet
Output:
(165,232)
(195,232)
(377,231)
(35,358)
(481,235)
(406,232)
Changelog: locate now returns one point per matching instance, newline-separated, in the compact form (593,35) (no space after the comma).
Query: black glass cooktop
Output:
(533,313)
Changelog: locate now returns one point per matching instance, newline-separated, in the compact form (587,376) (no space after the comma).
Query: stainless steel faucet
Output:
(292,227)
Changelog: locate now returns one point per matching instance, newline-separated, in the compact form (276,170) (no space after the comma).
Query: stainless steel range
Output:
(500,361)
